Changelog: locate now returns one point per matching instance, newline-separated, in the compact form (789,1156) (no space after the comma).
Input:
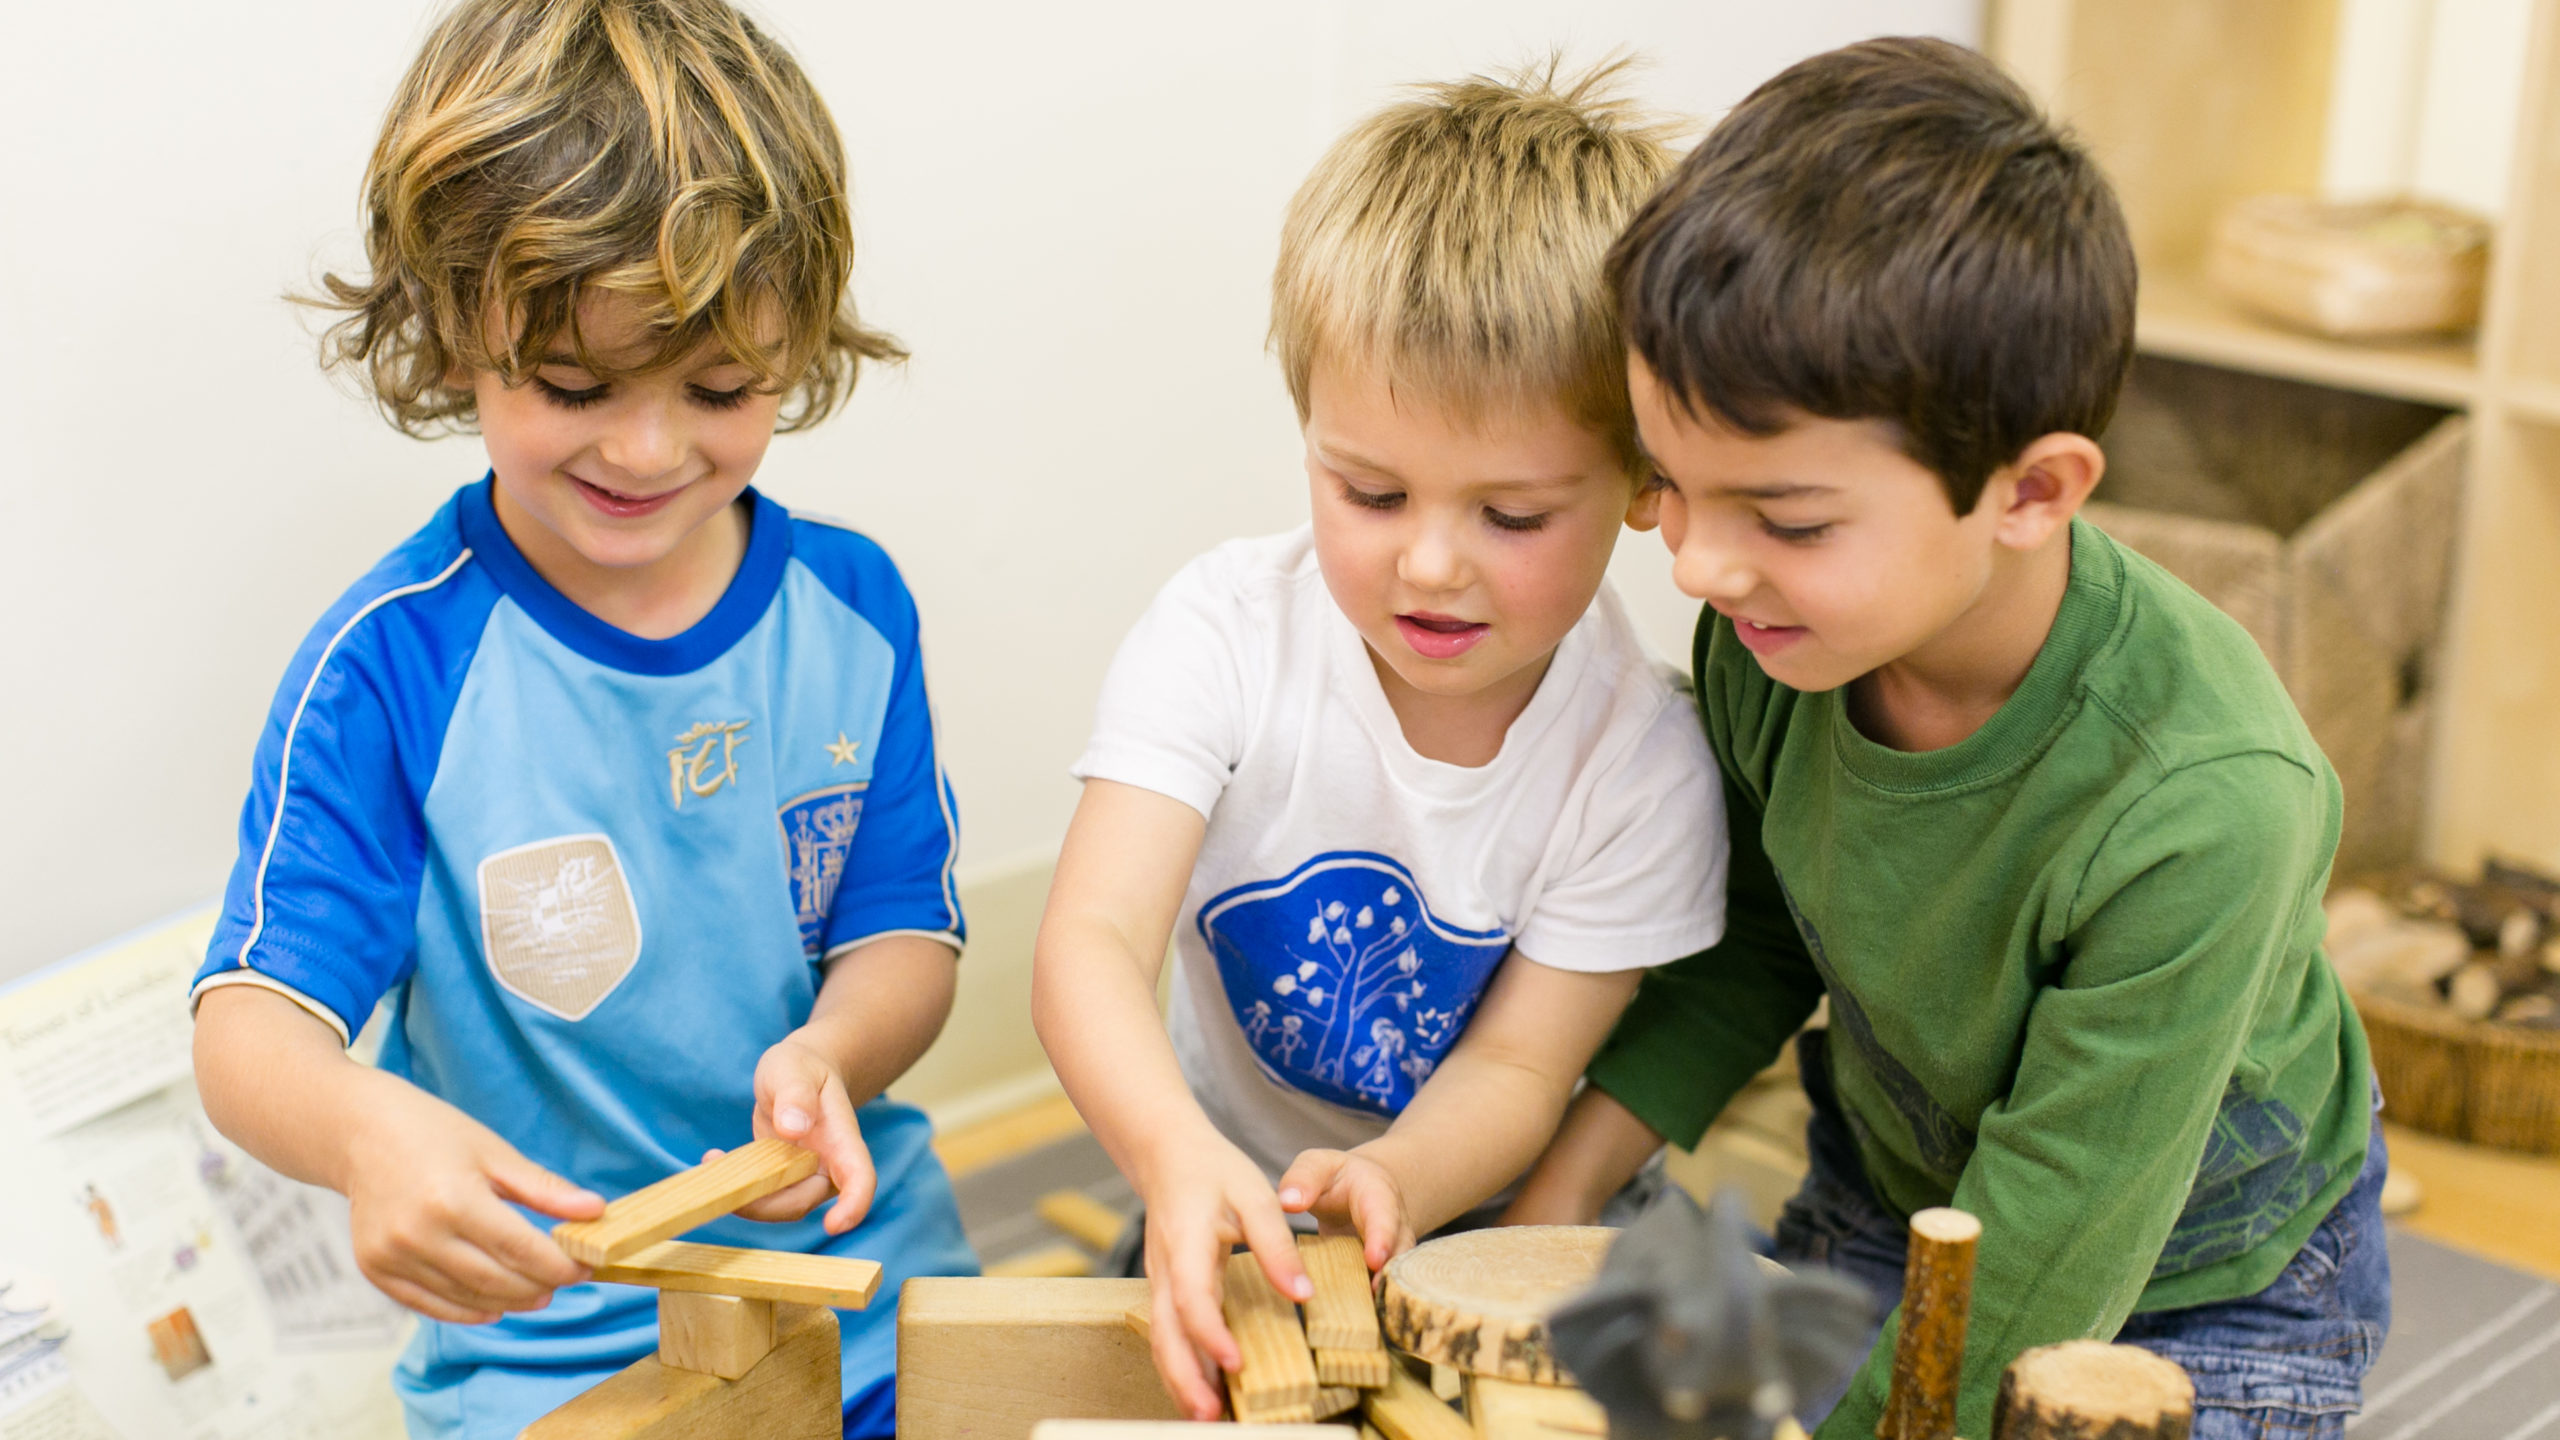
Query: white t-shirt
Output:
(1352,898)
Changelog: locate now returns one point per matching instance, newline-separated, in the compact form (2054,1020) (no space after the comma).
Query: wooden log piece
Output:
(684,1200)
(1279,1375)
(2090,1390)
(1359,1369)
(1937,1297)
(984,1359)
(1478,1301)
(1083,1219)
(838,1282)
(1407,1410)
(716,1334)
(794,1393)
(1343,1314)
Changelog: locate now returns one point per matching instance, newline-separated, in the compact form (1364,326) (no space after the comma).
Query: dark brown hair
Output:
(1889,231)
(539,151)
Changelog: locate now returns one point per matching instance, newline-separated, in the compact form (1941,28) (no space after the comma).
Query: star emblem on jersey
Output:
(704,759)
(842,749)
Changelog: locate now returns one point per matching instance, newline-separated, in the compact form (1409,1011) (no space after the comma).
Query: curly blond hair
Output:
(1454,242)
(539,152)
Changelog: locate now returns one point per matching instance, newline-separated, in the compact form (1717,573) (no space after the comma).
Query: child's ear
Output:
(2044,487)
(1644,512)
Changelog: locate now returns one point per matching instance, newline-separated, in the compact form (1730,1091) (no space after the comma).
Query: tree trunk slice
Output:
(1928,1357)
(2089,1390)
(1478,1302)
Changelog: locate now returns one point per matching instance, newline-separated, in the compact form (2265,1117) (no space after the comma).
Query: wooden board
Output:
(792,1394)
(716,1334)
(1478,1301)
(1407,1410)
(1512,1410)
(1278,1378)
(682,1201)
(1051,1261)
(1360,1369)
(836,1281)
(986,1359)
(1343,1314)
(1082,1218)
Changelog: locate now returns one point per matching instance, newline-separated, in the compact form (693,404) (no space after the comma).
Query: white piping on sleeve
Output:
(837,951)
(284,765)
(246,976)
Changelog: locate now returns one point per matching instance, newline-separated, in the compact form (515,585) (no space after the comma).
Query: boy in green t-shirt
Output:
(2036,818)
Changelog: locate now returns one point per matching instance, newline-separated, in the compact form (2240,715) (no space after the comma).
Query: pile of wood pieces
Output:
(2484,950)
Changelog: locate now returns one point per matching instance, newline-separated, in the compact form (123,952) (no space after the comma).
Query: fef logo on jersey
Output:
(1345,983)
(704,759)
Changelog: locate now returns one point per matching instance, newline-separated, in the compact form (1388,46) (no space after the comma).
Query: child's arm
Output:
(1481,1117)
(880,1006)
(427,1185)
(1121,874)
(1599,1148)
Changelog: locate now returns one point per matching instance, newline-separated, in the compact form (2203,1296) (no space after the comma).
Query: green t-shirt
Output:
(2074,966)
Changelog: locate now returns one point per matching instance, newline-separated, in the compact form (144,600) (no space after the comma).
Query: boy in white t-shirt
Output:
(1402,785)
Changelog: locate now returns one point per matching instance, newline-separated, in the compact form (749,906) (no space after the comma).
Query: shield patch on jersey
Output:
(1346,985)
(557,922)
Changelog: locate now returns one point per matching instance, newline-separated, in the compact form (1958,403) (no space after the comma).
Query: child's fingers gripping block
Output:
(684,1200)
(1278,1378)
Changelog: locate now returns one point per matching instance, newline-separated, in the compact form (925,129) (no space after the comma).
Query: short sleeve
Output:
(1644,880)
(1173,712)
(898,871)
(323,900)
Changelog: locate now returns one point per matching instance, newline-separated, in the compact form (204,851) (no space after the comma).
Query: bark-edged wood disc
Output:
(1478,1301)
(2091,1390)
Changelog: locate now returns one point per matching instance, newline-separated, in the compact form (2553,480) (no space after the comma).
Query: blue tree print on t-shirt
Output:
(1345,984)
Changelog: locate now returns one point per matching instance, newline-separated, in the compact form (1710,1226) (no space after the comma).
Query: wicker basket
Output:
(2470,1079)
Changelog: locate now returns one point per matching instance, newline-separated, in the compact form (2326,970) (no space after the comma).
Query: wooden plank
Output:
(1407,1410)
(719,1335)
(684,1200)
(1002,1137)
(1051,1261)
(1513,1410)
(1082,1218)
(1343,1313)
(1332,1400)
(1279,1375)
(792,1394)
(1359,1369)
(836,1281)
(986,1359)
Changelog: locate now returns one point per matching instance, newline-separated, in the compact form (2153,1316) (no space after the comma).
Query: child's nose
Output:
(1430,561)
(1705,570)
(647,443)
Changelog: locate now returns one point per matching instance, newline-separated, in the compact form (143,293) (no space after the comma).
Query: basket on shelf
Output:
(2473,1080)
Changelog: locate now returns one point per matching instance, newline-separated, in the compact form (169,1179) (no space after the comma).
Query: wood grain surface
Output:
(684,1200)
(1478,1301)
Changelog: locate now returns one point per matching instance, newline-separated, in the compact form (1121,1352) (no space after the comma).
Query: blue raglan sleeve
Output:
(323,899)
(898,871)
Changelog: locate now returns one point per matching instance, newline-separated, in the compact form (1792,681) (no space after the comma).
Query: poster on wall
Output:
(156,1281)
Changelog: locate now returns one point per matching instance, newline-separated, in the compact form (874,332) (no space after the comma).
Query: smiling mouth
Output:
(1440,637)
(620,505)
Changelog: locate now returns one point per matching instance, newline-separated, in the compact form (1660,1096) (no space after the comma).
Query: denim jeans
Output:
(2288,1361)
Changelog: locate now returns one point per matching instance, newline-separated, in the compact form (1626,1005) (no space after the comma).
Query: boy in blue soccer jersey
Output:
(616,780)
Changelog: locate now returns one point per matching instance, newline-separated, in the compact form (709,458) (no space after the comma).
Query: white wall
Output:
(1068,212)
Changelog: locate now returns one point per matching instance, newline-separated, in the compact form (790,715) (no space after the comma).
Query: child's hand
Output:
(427,1190)
(1201,1208)
(800,1097)
(1350,1192)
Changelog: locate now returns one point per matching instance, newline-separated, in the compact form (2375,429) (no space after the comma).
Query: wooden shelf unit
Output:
(2191,104)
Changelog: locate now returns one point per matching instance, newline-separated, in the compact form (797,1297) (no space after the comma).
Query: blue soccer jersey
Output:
(596,877)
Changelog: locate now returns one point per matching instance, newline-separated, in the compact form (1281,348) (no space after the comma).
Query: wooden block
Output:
(1279,1375)
(1082,1218)
(1343,1314)
(1183,1430)
(1360,1369)
(835,1281)
(716,1334)
(1512,1410)
(986,1359)
(1478,1301)
(1272,1414)
(1051,1261)
(1928,1356)
(1447,1382)
(1407,1410)
(2088,1387)
(1332,1400)
(685,1200)
(792,1394)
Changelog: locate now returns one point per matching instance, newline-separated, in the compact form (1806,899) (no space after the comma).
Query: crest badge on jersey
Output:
(817,834)
(1347,986)
(558,924)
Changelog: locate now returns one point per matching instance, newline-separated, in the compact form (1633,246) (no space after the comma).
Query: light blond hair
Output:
(1453,243)
(538,152)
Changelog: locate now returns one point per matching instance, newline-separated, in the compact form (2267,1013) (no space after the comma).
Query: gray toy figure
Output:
(1686,1335)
